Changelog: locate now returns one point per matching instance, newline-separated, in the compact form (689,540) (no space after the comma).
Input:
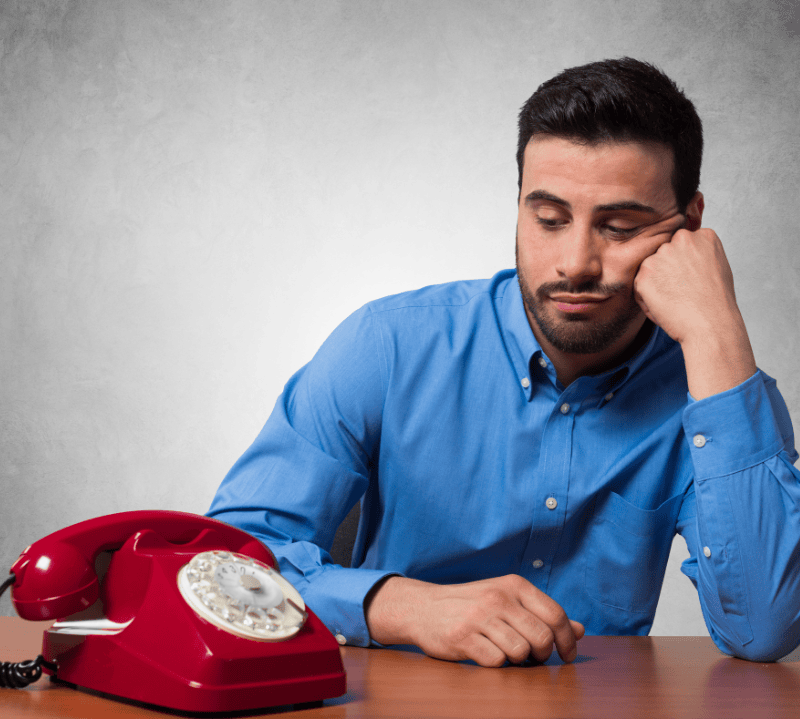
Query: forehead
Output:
(601,173)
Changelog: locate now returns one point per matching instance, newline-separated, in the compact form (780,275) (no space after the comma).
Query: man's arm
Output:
(308,466)
(742,523)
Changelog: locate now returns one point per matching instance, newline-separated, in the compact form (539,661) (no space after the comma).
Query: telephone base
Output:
(223,714)
(231,678)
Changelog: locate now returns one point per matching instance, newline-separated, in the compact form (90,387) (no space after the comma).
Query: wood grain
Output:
(653,677)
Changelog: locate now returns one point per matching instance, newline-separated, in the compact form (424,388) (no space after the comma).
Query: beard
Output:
(578,333)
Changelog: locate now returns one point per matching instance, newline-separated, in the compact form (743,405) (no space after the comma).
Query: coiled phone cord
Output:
(17,675)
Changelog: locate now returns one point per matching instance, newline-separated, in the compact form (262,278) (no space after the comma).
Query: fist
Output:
(686,285)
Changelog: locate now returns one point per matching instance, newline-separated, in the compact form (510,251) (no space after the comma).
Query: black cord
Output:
(5,585)
(17,675)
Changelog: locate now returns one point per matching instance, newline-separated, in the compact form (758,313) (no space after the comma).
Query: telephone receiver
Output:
(190,613)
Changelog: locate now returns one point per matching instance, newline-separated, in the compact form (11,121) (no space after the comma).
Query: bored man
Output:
(526,447)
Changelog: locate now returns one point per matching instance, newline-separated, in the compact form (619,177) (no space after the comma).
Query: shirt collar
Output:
(527,355)
(519,339)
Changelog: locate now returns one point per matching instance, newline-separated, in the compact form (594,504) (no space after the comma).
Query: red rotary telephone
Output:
(191,614)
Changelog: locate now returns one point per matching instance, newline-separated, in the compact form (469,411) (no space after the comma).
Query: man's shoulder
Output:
(447,295)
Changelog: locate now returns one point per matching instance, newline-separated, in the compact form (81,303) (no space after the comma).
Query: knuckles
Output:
(502,592)
(491,603)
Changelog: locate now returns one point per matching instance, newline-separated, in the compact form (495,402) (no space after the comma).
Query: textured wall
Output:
(193,194)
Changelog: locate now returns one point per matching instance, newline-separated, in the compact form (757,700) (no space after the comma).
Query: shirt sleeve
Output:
(308,467)
(741,519)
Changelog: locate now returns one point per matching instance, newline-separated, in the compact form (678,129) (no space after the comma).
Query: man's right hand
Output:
(490,621)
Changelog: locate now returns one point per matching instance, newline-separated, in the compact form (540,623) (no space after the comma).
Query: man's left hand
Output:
(686,288)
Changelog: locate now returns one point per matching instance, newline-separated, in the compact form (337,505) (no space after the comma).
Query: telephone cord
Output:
(5,585)
(17,675)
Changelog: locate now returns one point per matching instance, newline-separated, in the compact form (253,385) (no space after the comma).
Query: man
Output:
(525,448)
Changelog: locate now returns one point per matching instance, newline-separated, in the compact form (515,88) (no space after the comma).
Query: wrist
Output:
(718,359)
(390,610)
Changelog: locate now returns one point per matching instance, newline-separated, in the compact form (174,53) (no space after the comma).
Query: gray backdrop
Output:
(193,194)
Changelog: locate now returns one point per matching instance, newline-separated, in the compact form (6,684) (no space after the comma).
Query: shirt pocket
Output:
(627,553)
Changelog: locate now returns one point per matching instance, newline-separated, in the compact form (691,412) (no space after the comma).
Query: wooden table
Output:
(615,677)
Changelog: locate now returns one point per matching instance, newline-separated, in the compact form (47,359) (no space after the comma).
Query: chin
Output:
(578,334)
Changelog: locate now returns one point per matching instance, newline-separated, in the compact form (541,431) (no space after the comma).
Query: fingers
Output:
(509,642)
(529,623)
(499,642)
(488,652)
(560,630)
(524,640)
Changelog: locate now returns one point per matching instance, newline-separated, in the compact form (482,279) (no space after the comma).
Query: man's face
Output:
(588,216)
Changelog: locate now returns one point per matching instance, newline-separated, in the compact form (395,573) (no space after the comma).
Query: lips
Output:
(577,303)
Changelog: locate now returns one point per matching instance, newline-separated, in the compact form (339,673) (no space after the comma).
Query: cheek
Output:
(532,249)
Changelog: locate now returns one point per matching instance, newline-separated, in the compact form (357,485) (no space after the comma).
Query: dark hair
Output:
(618,100)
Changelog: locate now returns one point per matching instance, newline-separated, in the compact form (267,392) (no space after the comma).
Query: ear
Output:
(694,212)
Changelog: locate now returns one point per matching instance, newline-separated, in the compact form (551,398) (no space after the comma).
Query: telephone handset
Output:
(191,614)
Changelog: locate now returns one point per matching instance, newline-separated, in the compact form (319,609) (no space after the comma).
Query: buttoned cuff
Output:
(733,430)
(336,595)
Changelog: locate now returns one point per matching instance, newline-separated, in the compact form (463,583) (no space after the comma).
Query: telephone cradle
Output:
(191,614)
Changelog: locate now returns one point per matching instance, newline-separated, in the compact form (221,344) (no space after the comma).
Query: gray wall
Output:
(193,194)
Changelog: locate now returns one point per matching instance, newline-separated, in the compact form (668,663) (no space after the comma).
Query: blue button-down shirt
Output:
(440,412)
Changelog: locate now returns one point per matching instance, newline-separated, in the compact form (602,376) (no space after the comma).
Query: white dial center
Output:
(242,595)
(249,584)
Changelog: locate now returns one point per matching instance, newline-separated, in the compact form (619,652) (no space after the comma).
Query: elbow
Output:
(767,645)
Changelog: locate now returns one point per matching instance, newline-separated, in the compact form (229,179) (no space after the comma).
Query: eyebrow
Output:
(542,195)
(629,205)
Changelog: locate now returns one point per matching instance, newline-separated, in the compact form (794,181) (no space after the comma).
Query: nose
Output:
(580,256)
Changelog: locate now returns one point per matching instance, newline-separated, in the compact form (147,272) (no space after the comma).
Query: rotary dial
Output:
(242,595)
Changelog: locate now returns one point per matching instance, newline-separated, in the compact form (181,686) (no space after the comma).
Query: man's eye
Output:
(549,223)
(615,231)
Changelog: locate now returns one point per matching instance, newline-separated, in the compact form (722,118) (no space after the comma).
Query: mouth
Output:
(577,303)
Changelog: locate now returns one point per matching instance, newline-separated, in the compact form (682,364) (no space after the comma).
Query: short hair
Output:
(620,100)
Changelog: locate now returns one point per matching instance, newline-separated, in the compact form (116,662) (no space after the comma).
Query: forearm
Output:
(719,357)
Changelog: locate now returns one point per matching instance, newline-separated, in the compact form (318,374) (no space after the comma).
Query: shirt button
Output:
(564,408)
(542,362)
(340,638)
(525,382)
(609,396)
(707,551)
(551,503)
(538,563)
(699,440)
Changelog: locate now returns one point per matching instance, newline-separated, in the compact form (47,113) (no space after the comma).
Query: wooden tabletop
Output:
(615,677)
